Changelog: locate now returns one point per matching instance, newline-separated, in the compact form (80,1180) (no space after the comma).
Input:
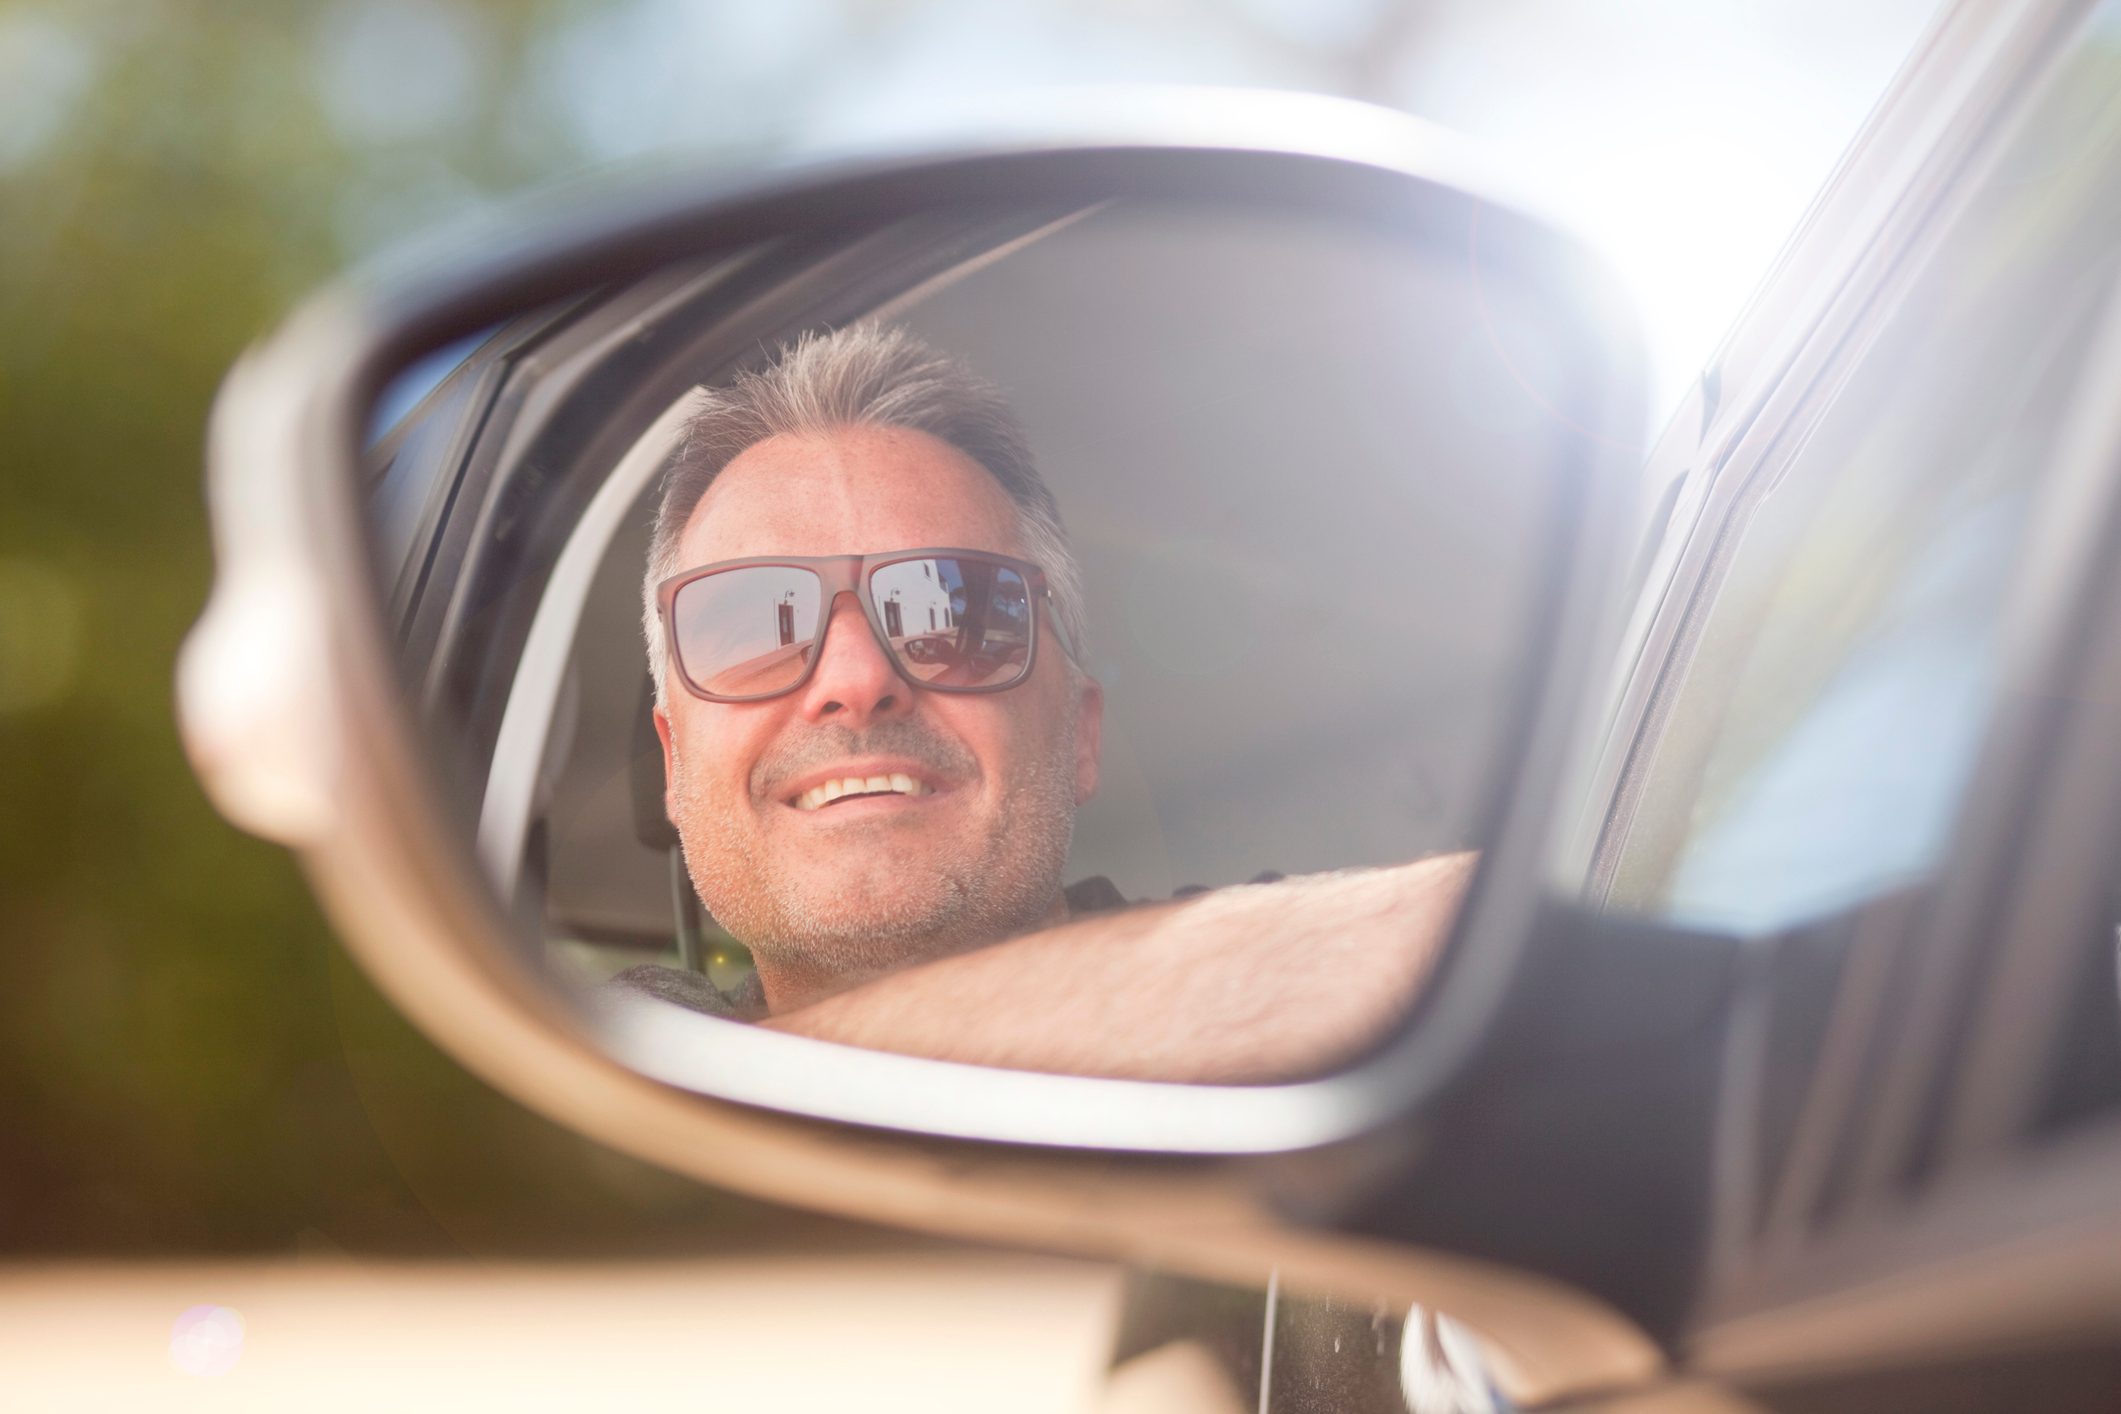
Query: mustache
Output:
(942,756)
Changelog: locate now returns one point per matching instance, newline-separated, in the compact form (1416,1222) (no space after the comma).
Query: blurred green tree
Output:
(186,1061)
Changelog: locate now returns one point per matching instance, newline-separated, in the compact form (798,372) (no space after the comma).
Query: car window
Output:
(1845,665)
(417,445)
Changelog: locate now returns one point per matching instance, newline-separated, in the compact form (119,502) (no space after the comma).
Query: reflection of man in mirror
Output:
(864,624)
(895,792)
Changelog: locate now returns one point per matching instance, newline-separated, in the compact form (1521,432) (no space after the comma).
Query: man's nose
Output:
(854,682)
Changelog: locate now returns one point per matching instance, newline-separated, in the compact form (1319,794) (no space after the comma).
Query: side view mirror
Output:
(1025,692)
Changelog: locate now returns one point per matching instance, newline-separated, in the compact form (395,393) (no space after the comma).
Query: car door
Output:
(1857,731)
(1843,595)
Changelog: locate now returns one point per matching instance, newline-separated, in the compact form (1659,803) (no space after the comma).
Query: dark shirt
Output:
(746,1001)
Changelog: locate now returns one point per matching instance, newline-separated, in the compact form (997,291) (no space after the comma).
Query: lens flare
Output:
(206,1340)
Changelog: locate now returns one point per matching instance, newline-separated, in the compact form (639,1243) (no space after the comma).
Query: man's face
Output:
(828,896)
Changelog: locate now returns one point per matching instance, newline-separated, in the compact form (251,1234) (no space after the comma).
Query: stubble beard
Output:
(839,923)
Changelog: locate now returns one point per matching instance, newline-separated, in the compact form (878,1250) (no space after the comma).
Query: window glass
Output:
(1847,665)
(416,429)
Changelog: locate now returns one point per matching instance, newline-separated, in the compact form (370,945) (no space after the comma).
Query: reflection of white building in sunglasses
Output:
(910,606)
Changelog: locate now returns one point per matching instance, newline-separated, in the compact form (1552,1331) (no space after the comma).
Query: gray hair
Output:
(867,374)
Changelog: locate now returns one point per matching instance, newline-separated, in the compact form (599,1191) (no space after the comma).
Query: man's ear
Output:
(670,775)
(1089,737)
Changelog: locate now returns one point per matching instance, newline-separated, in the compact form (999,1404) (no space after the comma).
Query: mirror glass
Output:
(1088,640)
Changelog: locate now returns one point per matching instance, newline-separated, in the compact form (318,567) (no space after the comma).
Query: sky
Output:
(1683,137)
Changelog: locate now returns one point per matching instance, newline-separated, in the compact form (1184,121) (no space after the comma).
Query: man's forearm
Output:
(1255,983)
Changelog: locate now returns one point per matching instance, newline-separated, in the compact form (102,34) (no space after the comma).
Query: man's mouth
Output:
(856,787)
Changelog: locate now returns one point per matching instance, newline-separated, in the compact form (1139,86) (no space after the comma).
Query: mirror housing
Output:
(290,710)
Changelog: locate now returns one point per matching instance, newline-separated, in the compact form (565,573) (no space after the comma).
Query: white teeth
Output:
(824,794)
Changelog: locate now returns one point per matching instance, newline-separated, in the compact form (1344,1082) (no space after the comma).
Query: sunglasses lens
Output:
(747,632)
(955,623)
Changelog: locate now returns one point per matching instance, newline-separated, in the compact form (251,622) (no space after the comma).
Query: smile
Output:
(854,787)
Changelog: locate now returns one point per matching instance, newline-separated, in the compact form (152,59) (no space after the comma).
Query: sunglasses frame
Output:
(848,574)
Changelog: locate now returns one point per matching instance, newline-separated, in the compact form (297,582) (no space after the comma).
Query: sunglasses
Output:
(949,620)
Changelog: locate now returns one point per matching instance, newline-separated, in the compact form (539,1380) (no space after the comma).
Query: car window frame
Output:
(1770,383)
(422,570)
